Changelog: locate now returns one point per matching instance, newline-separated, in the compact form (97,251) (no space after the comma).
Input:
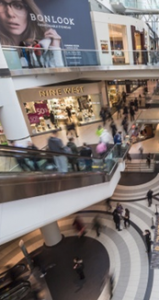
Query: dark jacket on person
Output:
(55,144)
(86,151)
(74,150)
(117,139)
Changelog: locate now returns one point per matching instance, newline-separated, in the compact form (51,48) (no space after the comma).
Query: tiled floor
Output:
(126,249)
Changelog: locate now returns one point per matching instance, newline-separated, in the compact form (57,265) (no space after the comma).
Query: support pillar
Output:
(11,115)
(51,234)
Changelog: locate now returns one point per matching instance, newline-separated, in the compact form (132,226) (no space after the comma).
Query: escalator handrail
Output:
(13,151)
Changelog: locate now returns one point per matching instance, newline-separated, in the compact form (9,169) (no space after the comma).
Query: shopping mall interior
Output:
(79,150)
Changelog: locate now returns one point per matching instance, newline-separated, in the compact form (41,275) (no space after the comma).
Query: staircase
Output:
(139,165)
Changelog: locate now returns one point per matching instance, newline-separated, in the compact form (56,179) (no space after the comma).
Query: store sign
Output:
(41,109)
(33,118)
(155,252)
(56,24)
(66,91)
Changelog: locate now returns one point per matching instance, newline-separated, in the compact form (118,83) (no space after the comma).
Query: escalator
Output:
(31,199)
(19,178)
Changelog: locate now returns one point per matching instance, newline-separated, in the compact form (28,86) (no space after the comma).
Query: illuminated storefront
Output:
(53,107)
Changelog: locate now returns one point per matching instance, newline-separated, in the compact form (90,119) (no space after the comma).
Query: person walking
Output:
(97,225)
(55,145)
(118,110)
(79,226)
(127,218)
(147,235)
(73,160)
(78,266)
(140,100)
(102,114)
(116,218)
(108,204)
(125,124)
(149,197)
(118,142)
(113,128)
(145,55)
(148,160)
(136,104)
(87,152)
(132,113)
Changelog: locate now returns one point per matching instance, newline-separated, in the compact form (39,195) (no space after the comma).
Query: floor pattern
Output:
(129,261)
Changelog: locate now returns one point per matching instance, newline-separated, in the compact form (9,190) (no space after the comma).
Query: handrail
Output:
(6,47)
(5,149)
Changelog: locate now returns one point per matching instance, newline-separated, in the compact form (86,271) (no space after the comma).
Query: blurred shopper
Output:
(141,150)
(71,128)
(152,56)
(69,113)
(108,204)
(79,226)
(97,225)
(124,97)
(119,209)
(55,145)
(116,218)
(73,160)
(23,164)
(136,104)
(145,55)
(103,115)
(140,100)
(132,113)
(118,110)
(106,138)
(101,149)
(34,159)
(87,152)
(78,266)
(118,142)
(147,235)
(125,124)
(113,128)
(149,197)
(127,218)
(111,284)
(99,130)
(125,111)
(38,52)
(148,160)
(53,119)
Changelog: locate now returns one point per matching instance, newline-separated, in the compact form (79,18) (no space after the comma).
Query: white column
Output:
(51,234)
(11,115)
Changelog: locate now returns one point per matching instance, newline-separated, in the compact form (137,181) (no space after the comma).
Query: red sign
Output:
(33,118)
(41,109)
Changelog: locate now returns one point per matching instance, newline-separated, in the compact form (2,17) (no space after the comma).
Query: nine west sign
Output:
(58,92)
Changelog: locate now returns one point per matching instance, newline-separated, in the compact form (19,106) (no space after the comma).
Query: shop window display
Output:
(3,140)
(56,113)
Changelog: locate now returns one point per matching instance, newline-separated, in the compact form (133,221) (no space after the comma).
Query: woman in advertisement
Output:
(16,26)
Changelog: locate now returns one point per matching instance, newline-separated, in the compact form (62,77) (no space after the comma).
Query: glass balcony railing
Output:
(27,58)
(137,4)
(17,159)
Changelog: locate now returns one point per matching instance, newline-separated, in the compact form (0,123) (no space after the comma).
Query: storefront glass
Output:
(119,44)
(3,140)
(57,112)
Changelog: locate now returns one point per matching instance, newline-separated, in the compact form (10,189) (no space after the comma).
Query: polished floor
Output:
(129,261)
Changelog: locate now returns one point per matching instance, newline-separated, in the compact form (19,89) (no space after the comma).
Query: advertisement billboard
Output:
(55,24)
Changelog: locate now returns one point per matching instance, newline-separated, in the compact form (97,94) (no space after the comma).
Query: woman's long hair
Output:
(32,32)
